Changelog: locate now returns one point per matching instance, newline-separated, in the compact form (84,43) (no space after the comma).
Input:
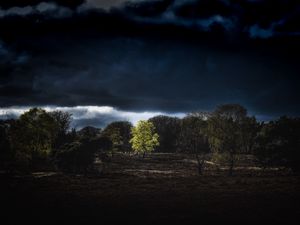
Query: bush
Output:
(278,144)
(79,157)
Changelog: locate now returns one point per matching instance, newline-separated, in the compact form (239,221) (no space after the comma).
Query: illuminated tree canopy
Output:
(144,137)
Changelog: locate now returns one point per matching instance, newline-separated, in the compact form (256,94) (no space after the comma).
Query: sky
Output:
(141,58)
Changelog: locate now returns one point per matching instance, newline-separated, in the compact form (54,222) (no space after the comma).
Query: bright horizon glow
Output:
(98,114)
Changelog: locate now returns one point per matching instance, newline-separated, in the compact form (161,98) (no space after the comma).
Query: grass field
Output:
(160,189)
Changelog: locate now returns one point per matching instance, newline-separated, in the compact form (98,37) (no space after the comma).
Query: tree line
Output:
(44,140)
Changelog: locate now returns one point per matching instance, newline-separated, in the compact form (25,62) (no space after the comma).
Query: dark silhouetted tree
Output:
(228,128)
(79,156)
(278,144)
(193,139)
(168,129)
(62,122)
(89,132)
(119,133)
(31,137)
(6,154)
(249,130)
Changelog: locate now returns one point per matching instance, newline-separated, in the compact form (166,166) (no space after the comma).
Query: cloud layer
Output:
(257,19)
(161,55)
(51,10)
(139,74)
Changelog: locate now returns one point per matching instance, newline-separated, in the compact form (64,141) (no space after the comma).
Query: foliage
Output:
(193,139)
(79,157)
(39,137)
(168,129)
(278,144)
(31,137)
(192,135)
(88,132)
(119,133)
(6,156)
(62,122)
(144,139)
(249,131)
(231,131)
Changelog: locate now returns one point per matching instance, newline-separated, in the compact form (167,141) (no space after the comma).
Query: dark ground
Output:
(160,189)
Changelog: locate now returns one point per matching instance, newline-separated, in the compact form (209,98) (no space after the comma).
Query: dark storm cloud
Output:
(257,19)
(168,55)
(267,16)
(9,56)
(140,74)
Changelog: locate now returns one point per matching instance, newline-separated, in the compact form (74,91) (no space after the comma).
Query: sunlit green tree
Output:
(144,139)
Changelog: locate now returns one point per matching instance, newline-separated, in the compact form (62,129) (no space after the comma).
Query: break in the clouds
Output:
(82,116)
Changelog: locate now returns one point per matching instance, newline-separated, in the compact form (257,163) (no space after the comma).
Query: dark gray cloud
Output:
(141,74)
(257,19)
(164,55)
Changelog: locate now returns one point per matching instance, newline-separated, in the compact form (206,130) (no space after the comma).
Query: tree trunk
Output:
(200,165)
(144,153)
(231,164)
(112,154)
